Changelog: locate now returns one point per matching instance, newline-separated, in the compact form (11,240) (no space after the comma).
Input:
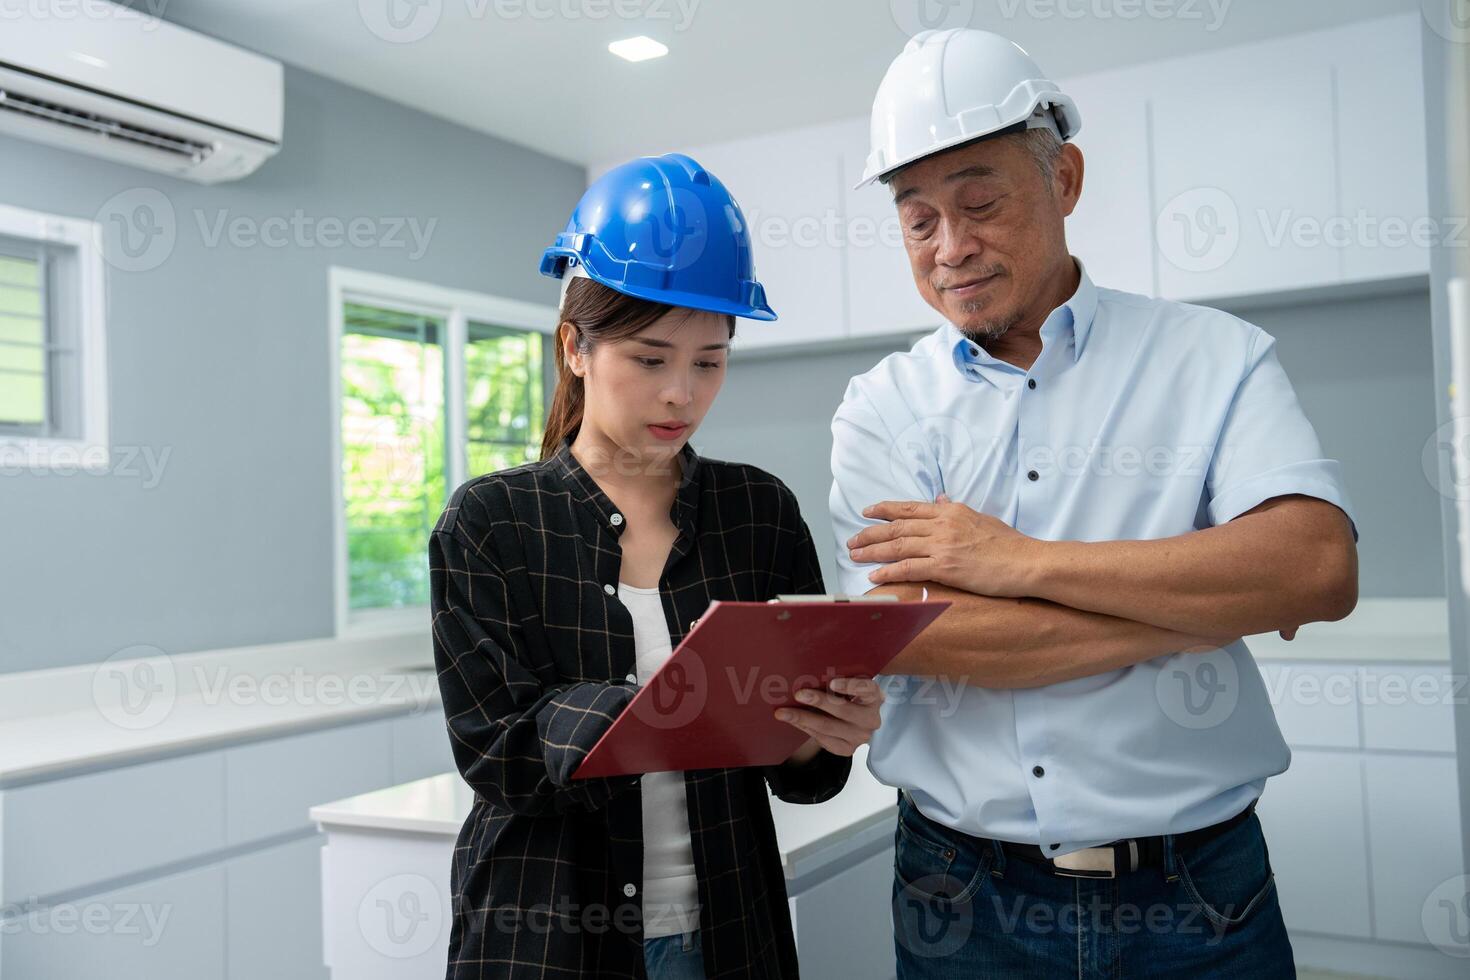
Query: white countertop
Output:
(437,806)
(129,709)
(142,703)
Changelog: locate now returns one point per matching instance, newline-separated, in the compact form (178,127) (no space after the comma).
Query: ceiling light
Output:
(638,48)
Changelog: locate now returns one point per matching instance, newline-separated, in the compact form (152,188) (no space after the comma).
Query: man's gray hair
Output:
(1044,147)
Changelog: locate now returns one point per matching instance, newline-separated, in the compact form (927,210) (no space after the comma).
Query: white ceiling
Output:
(538,73)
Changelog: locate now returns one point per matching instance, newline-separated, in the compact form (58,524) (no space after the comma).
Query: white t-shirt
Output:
(670,887)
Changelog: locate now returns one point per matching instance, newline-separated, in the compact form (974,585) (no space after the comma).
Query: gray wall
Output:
(219,358)
(1364,372)
(1362,369)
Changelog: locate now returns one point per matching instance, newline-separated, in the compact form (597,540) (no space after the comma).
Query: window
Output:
(53,390)
(433,387)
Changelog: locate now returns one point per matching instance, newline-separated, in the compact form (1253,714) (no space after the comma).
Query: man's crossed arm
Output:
(1050,611)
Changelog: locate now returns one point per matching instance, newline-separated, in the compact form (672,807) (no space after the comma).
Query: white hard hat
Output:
(949,87)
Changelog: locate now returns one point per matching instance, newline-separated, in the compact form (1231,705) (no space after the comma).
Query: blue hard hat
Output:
(663,229)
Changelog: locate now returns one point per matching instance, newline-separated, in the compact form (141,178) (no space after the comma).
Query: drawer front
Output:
(1410,707)
(1316,705)
(72,833)
(270,786)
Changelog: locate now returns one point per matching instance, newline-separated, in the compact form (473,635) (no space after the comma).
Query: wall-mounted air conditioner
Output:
(138,90)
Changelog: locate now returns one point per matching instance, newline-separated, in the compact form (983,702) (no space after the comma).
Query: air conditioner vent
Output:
(111,129)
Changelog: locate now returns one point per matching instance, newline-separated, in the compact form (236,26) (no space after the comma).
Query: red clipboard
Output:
(712,704)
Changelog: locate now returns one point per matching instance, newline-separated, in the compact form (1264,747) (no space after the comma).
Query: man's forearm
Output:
(1010,643)
(1288,562)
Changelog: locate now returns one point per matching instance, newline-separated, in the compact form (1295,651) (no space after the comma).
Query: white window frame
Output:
(457,307)
(89,450)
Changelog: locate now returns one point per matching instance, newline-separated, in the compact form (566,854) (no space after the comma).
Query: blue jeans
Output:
(676,957)
(962,907)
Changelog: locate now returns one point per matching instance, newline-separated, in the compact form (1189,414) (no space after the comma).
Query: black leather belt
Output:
(1130,854)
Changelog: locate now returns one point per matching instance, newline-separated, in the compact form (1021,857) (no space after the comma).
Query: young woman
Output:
(559,586)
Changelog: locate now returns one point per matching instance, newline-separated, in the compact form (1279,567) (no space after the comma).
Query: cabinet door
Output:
(1316,705)
(1414,827)
(275,921)
(844,925)
(787,185)
(881,295)
(1379,68)
(171,927)
(1243,157)
(1312,816)
(1111,230)
(1409,707)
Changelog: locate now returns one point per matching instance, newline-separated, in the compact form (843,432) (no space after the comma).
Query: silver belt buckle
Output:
(1090,862)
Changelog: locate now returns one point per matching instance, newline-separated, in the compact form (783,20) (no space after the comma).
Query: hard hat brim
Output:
(551,266)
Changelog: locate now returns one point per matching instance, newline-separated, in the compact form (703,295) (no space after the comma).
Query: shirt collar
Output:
(570,472)
(1074,316)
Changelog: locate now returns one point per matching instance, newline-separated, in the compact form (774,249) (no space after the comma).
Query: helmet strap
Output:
(570,272)
(1045,118)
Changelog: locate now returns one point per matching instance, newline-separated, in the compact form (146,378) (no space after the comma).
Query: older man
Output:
(1112,489)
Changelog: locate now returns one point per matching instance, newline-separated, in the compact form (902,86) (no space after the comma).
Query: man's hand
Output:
(945,542)
(838,719)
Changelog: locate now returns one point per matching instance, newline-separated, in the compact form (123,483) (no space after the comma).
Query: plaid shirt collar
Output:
(585,491)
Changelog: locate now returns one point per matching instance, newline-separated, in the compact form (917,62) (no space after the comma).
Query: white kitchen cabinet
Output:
(1414,839)
(1312,816)
(1378,67)
(1243,161)
(881,295)
(1291,163)
(1111,229)
(787,185)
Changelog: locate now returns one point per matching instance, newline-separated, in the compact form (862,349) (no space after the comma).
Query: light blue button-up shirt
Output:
(1147,418)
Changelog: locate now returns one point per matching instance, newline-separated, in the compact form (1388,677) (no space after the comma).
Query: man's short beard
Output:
(991,329)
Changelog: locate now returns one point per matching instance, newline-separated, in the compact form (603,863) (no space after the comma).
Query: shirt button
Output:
(1054,846)
(629,890)
(1031,383)
(1038,772)
(1032,475)
(616,520)
(609,589)
(631,678)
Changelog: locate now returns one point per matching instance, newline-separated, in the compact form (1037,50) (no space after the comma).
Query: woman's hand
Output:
(838,719)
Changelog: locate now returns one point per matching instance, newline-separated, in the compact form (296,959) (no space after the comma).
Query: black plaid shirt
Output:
(535,658)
